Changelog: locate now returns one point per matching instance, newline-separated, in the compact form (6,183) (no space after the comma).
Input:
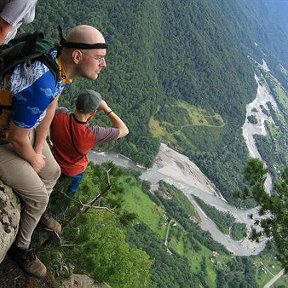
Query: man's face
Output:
(92,62)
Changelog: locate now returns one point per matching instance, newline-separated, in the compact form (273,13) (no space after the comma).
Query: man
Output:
(73,136)
(32,91)
(13,13)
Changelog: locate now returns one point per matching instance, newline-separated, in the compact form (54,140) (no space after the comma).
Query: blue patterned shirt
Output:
(29,89)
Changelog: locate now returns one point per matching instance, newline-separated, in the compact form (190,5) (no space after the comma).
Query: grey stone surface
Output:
(10,209)
(82,281)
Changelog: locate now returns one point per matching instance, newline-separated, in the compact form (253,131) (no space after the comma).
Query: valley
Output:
(176,169)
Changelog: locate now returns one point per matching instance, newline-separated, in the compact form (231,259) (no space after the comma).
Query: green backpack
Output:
(27,47)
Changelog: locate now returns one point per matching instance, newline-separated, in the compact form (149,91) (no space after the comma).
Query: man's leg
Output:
(51,171)
(49,176)
(21,177)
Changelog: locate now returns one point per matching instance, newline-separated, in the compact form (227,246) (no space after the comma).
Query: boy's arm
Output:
(115,119)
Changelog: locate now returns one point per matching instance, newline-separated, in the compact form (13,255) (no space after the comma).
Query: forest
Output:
(161,52)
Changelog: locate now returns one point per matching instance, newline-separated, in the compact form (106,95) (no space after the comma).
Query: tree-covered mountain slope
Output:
(178,72)
(133,238)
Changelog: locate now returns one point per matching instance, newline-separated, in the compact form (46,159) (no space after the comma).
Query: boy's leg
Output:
(75,183)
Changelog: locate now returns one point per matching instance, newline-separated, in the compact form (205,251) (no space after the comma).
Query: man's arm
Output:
(43,128)
(115,119)
(5,28)
(19,139)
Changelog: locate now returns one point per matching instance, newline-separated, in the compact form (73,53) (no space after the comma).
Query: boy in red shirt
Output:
(73,137)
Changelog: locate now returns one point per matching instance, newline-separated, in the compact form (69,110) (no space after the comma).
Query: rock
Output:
(10,209)
(82,281)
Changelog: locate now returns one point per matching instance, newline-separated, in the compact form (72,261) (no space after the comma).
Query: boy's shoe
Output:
(50,223)
(28,261)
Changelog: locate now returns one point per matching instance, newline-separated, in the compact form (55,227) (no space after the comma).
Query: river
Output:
(176,169)
(257,108)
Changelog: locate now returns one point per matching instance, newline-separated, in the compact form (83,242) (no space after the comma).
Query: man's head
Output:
(84,52)
(88,101)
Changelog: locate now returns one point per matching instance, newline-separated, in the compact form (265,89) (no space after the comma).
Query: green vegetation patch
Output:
(187,127)
(156,129)
(183,200)
(238,231)
(266,266)
(95,251)
(281,96)
(135,201)
(223,220)
(201,116)
(179,242)
(180,114)
(252,119)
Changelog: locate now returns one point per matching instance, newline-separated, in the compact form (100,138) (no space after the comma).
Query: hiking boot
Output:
(50,223)
(28,261)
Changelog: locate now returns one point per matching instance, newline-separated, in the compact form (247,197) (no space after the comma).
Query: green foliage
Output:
(254,173)
(177,211)
(168,271)
(96,252)
(224,220)
(90,237)
(239,272)
(238,231)
(252,119)
(275,206)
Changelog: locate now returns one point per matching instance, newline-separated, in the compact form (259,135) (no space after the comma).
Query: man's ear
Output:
(76,56)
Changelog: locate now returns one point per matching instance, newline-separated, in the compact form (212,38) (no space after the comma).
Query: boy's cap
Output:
(88,101)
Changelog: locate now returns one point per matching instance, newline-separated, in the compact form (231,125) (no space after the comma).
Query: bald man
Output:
(28,98)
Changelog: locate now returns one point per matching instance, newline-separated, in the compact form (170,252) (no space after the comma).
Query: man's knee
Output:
(57,170)
(52,172)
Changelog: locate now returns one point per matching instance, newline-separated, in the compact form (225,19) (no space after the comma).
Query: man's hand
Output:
(20,141)
(5,28)
(38,162)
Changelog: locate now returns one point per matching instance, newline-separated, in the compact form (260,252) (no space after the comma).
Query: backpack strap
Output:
(6,107)
(51,64)
(72,138)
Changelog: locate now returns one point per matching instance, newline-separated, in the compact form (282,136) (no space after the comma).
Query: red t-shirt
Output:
(74,160)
